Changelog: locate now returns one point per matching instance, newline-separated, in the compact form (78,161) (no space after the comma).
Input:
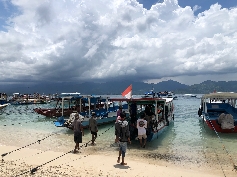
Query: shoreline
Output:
(52,163)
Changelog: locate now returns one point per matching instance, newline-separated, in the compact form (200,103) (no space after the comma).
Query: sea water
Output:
(186,140)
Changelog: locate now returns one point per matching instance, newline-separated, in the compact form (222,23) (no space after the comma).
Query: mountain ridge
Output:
(117,87)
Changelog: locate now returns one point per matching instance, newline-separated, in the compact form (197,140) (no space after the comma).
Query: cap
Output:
(93,114)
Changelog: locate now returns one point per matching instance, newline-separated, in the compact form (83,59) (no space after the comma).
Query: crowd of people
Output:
(122,129)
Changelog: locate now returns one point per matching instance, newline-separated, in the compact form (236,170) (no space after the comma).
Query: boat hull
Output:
(54,112)
(85,124)
(153,134)
(3,106)
(218,111)
(214,125)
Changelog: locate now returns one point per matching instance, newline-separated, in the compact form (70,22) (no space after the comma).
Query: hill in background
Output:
(117,87)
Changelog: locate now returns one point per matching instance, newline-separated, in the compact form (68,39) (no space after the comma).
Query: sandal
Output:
(118,160)
(123,163)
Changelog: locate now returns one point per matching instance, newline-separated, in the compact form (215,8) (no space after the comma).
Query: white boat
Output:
(190,95)
(219,111)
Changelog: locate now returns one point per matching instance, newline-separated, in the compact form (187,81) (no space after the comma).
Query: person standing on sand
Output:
(141,127)
(122,136)
(78,132)
(93,128)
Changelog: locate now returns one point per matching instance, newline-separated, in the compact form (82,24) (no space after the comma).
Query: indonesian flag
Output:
(128,92)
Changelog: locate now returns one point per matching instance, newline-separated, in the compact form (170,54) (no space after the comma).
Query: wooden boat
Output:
(3,106)
(219,112)
(158,122)
(190,95)
(3,100)
(165,94)
(66,105)
(59,109)
(27,99)
(105,114)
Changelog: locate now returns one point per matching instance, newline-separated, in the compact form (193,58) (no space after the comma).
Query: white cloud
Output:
(196,7)
(104,39)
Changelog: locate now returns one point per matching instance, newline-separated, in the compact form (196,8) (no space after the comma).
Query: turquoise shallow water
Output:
(186,140)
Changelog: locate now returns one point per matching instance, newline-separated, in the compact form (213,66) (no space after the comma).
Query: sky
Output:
(189,41)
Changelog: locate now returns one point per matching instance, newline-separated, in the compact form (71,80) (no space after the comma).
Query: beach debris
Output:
(235,167)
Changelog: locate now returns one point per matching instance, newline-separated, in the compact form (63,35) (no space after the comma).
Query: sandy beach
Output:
(50,163)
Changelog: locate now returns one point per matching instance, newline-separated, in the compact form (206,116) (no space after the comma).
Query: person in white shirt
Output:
(160,111)
(141,127)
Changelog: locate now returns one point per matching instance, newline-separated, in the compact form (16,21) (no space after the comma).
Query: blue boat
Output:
(219,111)
(157,123)
(105,110)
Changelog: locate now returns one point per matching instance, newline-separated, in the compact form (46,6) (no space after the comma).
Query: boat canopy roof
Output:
(142,101)
(220,95)
(93,99)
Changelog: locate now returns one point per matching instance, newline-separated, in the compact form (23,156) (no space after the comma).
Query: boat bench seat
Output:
(111,109)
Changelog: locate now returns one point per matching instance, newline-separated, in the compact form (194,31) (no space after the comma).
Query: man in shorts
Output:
(141,127)
(93,128)
(122,136)
(78,132)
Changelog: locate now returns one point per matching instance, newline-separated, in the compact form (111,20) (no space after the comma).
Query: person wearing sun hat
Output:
(93,128)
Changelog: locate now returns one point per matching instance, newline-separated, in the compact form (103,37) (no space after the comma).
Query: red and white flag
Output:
(127,93)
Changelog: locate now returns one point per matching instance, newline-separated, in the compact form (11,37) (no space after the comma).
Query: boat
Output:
(3,100)
(106,112)
(159,121)
(3,106)
(190,95)
(218,110)
(27,99)
(150,94)
(66,103)
(60,108)
(165,94)
(82,104)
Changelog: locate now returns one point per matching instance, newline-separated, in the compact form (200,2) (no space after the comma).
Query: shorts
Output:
(142,136)
(94,133)
(78,137)
(123,148)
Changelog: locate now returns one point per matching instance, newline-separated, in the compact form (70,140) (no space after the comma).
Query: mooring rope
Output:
(20,123)
(38,141)
(32,171)
(224,148)
(86,145)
